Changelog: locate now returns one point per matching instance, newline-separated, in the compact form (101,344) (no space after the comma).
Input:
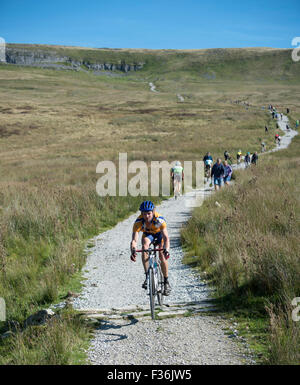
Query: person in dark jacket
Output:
(226,155)
(254,158)
(247,160)
(218,173)
(207,157)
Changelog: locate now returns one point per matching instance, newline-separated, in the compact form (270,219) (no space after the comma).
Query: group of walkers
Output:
(153,225)
(221,172)
(278,116)
(275,114)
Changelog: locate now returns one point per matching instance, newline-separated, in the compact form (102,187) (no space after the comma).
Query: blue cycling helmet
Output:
(147,206)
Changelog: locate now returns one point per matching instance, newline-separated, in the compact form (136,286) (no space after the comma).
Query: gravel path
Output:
(173,341)
(112,280)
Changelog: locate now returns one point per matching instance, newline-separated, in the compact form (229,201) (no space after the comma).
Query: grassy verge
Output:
(249,249)
(43,233)
(62,341)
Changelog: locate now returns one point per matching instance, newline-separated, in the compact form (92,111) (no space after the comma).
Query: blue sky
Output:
(172,24)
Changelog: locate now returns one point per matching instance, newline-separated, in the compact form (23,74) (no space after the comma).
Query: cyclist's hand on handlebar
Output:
(166,253)
(133,255)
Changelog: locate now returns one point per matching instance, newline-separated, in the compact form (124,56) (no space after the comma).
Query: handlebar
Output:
(146,250)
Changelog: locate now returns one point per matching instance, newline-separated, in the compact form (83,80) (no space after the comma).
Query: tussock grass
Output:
(43,233)
(61,342)
(284,335)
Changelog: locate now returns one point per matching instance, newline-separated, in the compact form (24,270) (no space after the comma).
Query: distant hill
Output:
(258,64)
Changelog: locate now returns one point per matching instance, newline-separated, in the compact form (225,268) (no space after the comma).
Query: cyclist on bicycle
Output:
(239,156)
(208,161)
(154,228)
(207,156)
(177,176)
(278,140)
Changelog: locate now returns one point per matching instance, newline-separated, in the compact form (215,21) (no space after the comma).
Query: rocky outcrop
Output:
(44,58)
(39,318)
(27,57)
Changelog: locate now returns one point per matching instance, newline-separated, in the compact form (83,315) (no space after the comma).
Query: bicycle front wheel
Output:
(152,293)
(160,288)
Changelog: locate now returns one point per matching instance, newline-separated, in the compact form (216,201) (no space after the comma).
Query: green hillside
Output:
(258,64)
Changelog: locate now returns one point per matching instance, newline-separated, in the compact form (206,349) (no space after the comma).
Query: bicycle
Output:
(155,278)
(230,160)
(207,171)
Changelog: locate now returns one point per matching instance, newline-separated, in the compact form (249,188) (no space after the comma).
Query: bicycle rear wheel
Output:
(152,293)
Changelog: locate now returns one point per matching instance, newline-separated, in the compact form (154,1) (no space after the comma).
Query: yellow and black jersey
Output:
(158,223)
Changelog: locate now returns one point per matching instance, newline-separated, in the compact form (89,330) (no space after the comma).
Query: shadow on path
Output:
(108,325)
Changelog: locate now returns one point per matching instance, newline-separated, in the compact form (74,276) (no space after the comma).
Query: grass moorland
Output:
(57,125)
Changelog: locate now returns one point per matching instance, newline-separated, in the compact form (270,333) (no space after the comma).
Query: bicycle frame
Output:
(207,172)
(155,278)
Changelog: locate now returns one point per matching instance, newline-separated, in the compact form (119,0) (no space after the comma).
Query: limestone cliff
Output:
(62,59)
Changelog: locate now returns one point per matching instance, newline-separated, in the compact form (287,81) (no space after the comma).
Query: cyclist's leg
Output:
(163,261)
(164,268)
(146,241)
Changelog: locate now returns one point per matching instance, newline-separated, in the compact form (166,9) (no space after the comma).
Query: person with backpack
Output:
(228,172)
(226,155)
(177,176)
(254,158)
(247,160)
